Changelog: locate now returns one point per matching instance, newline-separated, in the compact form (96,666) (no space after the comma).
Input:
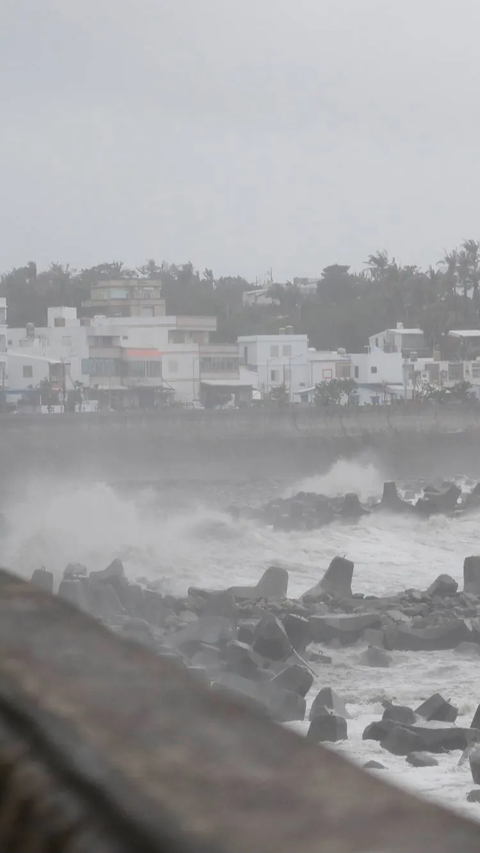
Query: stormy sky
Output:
(238,134)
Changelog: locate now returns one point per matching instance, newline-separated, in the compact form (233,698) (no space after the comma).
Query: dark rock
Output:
(431,739)
(152,607)
(378,730)
(296,678)
(475,724)
(352,507)
(375,657)
(221,604)
(435,638)
(271,640)
(246,632)
(439,502)
(241,659)
(471,575)
(282,705)
(328,699)
(374,637)
(336,581)
(421,759)
(474,796)
(437,708)
(114,570)
(444,585)
(209,657)
(373,765)
(43,579)
(272,586)
(75,570)
(400,714)
(297,630)
(139,630)
(474,760)
(328,728)
(207,629)
(468,650)
(392,501)
(103,600)
(346,628)
(319,657)
(401,741)
(74,592)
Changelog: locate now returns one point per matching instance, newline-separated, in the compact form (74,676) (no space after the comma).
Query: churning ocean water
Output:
(181,533)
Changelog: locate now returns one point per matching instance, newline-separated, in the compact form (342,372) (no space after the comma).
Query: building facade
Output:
(277,360)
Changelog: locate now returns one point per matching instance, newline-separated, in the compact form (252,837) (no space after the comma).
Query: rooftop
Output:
(405,331)
(465,333)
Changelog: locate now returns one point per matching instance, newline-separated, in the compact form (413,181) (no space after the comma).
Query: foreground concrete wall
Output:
(239,444)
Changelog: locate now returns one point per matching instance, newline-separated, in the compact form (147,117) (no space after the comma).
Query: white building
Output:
(259,296)
(126,361)
(379,375)
(400,340)
(277,360)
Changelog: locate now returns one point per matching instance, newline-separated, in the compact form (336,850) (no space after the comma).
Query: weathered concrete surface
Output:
(239,444)
(107,747)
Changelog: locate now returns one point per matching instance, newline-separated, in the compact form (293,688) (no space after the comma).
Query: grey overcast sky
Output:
(238,134)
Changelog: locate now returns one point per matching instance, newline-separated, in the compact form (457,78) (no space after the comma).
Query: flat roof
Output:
(227,383)
(465,333)
(403,332)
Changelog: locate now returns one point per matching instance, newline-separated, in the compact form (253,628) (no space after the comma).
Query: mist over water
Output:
(182,534)
(180,531)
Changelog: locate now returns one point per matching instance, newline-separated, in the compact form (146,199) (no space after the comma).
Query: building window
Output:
(100,341)
(3,343)
(342,370)
(287,350)
(154,369)
(274,375)
(357,372)
(101,367)
(27,371)
(173,365)
(327,374)
(455,371)
(176,337)
(476,370)
(376,342)
(210,364)
(373,370)
(274,352)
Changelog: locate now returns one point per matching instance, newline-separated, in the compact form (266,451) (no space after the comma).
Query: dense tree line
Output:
(347,308)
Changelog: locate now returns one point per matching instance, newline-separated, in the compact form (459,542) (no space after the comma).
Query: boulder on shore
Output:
(437,708)
(336,581)
(272,586)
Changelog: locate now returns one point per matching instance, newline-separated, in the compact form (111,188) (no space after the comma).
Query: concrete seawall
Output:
(239,444)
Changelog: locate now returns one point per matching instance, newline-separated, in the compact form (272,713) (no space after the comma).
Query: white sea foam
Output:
(199,543)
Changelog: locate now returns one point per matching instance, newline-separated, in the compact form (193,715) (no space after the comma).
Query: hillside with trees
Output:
(347,308)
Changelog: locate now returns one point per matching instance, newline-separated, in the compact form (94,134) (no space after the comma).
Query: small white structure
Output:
(399,340)
(259,296)
(277,360)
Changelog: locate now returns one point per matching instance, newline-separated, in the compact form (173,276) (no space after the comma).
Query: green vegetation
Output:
(347,308)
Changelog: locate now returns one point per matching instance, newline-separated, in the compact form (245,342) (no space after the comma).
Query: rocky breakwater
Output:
(310,510)
(276,653)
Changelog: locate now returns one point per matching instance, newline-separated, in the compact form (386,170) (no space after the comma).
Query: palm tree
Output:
(450,261)
(472,250)
(378,263)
